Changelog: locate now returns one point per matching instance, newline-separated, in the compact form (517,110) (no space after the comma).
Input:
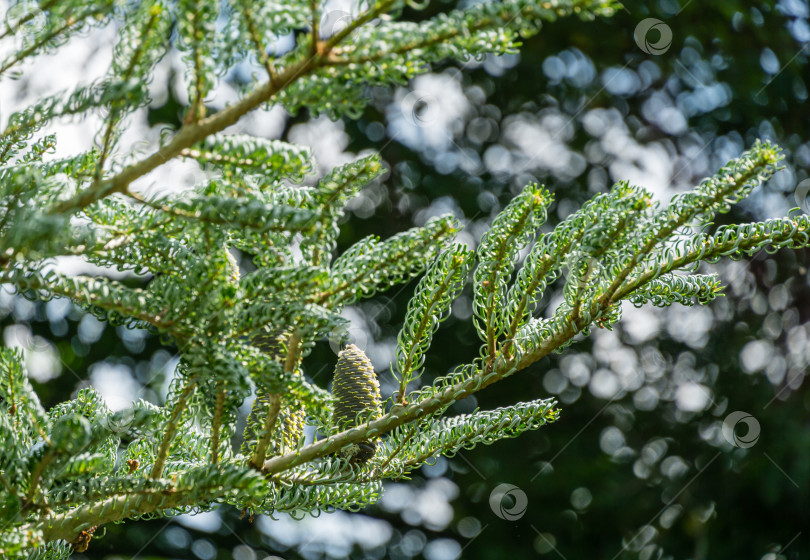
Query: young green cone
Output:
(356,391)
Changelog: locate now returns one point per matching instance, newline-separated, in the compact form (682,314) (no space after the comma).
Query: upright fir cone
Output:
(356,391)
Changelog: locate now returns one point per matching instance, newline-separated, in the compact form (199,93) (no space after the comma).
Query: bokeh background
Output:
(637,466)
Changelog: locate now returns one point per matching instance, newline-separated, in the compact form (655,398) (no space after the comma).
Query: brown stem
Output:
(36,475)
(313,8)
(187,136)
(216,426)
(171,430)
(112,119)
(268,427)
(274,404)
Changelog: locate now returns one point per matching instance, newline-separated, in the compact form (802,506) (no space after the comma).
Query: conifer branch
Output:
(196,29)
(216,425)
(202,485)
(31,14)
(120,104)
(292,345)
(380,7)
(258,43)
(106,294)
(733,184)
(499,247)
(268,429)
(69,22)
(36,475)
(793,232)
(428,307)
(192,133)
(171,429)
(385,261)
(189,135)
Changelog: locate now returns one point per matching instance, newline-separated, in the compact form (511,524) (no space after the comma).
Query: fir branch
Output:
(196,29)
(171,429)
(59,25)
(669,289)
(728,241)
(511,231)
(728,186)
(246,10)
(244,330)
(102,293)
(370,266)
(273,159)
(291,361)
(428,307)
(17,394)
(36,475)
(330,197)
(192,133)
(605,240)
(125,74)
(197,486)
(33,12)
(268,428)
(380,7)
(449,435)
(186,137)
(216,425)
(398,416)
(233,212)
